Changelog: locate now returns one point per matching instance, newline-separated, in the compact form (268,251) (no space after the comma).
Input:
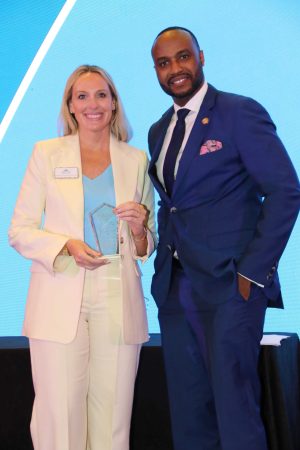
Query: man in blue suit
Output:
(229,197)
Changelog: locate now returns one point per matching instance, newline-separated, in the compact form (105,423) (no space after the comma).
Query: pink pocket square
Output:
(210,146)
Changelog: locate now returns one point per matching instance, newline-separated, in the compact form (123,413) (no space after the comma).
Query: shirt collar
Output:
(195,102)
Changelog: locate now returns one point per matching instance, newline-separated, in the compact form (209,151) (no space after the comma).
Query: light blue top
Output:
(96,191)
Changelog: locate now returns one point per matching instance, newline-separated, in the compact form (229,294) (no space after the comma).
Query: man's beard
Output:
(196,85)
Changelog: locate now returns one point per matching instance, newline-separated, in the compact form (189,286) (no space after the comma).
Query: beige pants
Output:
(84,390)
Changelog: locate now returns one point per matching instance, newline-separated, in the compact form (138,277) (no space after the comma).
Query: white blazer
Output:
(49,211)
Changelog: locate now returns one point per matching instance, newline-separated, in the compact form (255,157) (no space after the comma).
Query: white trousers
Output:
(84,390)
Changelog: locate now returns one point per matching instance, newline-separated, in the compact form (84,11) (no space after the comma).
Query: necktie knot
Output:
(182,113)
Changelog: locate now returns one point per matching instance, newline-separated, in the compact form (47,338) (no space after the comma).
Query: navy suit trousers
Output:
(211,359)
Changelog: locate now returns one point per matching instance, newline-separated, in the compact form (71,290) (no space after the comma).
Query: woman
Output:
(85,313)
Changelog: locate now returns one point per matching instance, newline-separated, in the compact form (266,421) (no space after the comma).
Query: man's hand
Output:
(84,255)
(244,287)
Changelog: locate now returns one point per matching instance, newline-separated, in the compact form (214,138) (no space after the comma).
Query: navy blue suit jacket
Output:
(232,210)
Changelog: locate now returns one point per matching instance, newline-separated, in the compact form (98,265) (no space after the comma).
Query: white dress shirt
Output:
(194,106)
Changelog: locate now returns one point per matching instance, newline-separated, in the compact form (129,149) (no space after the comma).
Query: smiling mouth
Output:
(178,80)
(93,116)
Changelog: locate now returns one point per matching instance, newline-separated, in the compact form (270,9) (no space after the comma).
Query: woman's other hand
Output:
(135,214)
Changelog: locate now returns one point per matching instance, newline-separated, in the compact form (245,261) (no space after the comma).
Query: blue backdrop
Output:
(251,48)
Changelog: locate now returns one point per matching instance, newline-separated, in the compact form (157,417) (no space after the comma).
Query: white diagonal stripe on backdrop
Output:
(37,60)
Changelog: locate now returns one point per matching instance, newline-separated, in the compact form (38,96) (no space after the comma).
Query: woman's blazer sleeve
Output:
(25,232)
(148,201)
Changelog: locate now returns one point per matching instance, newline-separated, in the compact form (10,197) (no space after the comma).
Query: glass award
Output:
(105,228)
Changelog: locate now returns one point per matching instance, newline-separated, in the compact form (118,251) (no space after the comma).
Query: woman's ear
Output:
(71,108)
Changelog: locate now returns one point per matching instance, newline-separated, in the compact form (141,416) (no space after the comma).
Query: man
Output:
(229,199)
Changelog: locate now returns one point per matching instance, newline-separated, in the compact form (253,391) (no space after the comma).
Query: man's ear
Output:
(202,59)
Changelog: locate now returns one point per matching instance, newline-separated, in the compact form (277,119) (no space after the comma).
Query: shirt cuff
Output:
(252,281)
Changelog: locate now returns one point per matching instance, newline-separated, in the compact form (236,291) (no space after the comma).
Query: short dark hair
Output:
(183,29)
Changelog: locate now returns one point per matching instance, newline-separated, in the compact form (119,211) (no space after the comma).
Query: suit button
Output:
(173,209)
(122,240)
(169,247)
(271,273)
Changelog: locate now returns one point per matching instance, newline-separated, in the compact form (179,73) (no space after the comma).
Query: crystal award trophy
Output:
(105,228)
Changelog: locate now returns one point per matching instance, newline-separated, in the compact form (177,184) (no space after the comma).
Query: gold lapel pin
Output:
(205,120)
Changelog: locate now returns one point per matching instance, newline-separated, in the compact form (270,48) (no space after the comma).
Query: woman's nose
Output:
(93,102)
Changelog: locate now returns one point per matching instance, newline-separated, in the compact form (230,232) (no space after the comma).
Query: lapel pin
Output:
(205,120)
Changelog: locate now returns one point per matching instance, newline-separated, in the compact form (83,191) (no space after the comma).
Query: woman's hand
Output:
(84,255)
(135,214)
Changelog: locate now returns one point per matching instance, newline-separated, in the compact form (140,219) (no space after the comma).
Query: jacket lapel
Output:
(198,133)
(125,171)
(68,155)
(159,136)
(160,133)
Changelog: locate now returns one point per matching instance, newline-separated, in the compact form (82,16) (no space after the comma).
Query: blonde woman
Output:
(85,313)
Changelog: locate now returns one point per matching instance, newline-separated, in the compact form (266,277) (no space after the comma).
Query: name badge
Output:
(66,172)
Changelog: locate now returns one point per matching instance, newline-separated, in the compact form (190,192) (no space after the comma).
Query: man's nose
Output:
(175,66)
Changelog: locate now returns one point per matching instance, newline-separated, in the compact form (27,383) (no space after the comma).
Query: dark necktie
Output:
(173,149)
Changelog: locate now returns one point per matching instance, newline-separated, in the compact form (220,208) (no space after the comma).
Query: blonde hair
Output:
(119,126)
